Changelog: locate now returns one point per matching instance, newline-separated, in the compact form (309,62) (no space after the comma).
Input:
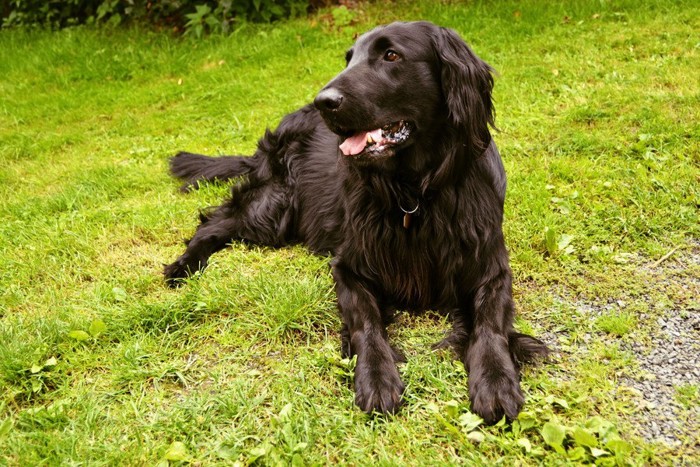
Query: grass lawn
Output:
(599,110)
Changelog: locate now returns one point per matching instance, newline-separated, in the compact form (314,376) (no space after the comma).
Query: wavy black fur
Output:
(299,188)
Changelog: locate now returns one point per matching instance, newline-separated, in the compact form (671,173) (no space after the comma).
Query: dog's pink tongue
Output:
(357,142)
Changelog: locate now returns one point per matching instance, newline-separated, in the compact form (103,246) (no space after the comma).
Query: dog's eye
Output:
(391,56)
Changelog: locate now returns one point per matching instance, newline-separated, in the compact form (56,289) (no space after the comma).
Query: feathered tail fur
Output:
(195,168)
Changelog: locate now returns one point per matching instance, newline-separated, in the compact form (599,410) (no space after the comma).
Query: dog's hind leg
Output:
(523,348)
(458,337)
(526,349)
(258,213)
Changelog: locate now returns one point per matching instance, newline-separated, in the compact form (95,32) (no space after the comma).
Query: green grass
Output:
(599,111)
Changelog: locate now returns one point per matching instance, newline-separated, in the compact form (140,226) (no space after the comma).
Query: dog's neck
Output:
(398,193)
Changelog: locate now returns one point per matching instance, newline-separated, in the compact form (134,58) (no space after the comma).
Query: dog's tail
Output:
(526,349)
(195,168)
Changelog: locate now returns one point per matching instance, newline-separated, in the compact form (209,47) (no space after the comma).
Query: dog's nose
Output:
(328,99)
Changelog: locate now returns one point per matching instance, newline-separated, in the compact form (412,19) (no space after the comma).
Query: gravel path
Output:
(671,359)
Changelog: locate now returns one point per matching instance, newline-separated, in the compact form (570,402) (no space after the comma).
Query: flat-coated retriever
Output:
(394,172)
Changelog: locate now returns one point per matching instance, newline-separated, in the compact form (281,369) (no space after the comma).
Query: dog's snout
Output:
(328,100)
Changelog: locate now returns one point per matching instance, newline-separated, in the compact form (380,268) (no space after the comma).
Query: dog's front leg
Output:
(378,386)
(494,382)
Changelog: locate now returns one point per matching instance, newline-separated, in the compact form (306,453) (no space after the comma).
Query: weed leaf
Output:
(550,240)
(285,412)
(619,447)
(176,452)
(79,335)
(577,453)
(564,244)
(469,421)
(5,427)
(526,420)
(525,444)
(553,435)
(97,327)
(300,447)
(119,294)
(584,437)
(452,408)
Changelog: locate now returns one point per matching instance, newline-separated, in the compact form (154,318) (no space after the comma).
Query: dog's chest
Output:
(412,264)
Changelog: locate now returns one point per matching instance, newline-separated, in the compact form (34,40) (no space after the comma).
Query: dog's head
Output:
(405,83)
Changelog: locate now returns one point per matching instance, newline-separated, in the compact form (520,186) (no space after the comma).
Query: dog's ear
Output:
(467,82)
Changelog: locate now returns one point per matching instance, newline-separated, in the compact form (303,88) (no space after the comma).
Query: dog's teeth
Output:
(369,139)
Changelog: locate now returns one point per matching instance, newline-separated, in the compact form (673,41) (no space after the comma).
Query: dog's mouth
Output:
(376,143)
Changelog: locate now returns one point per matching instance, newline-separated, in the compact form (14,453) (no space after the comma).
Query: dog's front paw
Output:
(378,389)
(494,395)
(182,268)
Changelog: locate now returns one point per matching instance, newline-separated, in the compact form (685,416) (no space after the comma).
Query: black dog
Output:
(394,172)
